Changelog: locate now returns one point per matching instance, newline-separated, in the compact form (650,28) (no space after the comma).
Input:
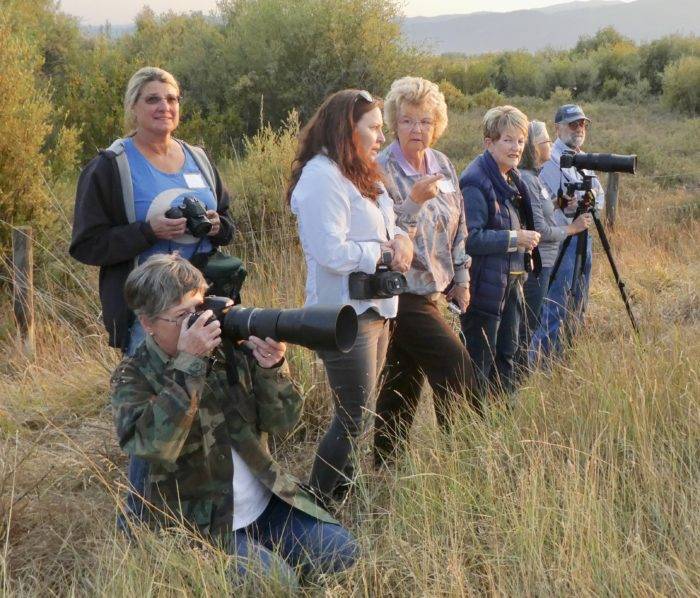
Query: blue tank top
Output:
(155,192)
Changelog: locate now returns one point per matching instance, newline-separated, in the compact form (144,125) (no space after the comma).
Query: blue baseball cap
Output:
(569,113)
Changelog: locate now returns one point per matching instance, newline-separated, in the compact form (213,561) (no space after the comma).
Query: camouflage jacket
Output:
(182,415)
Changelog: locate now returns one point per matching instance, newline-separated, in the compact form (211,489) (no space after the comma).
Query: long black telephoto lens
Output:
(603,162)
(316,327)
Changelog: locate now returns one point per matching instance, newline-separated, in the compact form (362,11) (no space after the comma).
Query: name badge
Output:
(446,186)
(194,180)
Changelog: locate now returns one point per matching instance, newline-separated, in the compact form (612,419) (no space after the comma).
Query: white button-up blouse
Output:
(341,232)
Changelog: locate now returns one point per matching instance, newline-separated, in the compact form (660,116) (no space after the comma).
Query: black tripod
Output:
(587,204)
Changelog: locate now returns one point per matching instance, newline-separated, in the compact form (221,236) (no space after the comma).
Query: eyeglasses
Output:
(177,320)
(423,124)
(579,124)
(154,100)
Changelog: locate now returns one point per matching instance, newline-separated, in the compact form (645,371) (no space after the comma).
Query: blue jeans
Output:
(564,306)
(492,342)
(299,541)
(138,469)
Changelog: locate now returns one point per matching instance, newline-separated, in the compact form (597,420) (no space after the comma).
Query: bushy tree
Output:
(618,63)
(454,98)
(29,139)
(290,55)
(519,73)
(655,56)
(481,73)
(603,38)
(681,85)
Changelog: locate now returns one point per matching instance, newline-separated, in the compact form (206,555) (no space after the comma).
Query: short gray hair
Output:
(161,282)
(134,87)
(499,119)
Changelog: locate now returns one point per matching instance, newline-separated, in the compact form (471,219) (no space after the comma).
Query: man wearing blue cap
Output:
(566,298)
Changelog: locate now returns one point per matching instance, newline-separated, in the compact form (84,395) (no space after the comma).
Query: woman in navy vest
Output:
(502,245)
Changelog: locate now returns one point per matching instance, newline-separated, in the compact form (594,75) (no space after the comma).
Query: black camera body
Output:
(195,212)
(601,162)
(325,327)
(383,284)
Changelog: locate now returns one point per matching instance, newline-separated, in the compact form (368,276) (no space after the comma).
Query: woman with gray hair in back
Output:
(428,204)
(121,202)
(536,152)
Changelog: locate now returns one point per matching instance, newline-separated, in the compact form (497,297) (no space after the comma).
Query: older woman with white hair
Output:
(428,204)
(121,203)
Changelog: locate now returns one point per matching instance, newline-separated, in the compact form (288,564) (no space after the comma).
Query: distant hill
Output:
(557,26)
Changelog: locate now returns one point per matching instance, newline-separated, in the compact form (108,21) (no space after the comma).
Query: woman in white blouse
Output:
(346,224)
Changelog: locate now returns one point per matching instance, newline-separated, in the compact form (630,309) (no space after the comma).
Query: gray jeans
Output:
(352,377)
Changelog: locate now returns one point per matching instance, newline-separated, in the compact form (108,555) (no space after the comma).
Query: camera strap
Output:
(231,363)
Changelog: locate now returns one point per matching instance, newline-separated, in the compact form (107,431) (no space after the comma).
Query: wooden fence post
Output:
(23,287)
(611,198)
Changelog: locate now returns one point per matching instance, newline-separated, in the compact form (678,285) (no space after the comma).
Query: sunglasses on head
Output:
(365,95)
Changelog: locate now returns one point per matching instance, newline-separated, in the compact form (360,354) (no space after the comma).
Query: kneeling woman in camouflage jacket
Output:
(205,434)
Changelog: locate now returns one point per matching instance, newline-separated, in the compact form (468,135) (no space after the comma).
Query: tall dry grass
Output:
(590,485)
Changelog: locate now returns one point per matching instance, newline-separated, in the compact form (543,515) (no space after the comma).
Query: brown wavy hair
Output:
(331,131)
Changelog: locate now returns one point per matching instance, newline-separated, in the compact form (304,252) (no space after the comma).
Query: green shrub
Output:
(560,96)
(480,74)
(519,73)
(657,55)
(258,180)
(326,46)
(29,139)
(488,98)
(681,85)
(634,93)
(454,97)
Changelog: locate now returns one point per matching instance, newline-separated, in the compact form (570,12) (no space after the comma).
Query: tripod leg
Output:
(620,284)
(562,251)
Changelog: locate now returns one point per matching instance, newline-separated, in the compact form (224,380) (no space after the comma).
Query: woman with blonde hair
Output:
(502,244)
(423,185)
(121,202)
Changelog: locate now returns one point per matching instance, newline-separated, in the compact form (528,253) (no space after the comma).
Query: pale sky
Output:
(96,12)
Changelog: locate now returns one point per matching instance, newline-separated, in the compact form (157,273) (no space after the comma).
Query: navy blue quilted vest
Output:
(489,273)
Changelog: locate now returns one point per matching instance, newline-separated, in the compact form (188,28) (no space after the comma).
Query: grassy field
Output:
(589,486)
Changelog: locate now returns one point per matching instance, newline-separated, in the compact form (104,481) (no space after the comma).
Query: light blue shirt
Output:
(155,192)
(340,232)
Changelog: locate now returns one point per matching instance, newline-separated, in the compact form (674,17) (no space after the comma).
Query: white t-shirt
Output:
(250,496)
(341,232)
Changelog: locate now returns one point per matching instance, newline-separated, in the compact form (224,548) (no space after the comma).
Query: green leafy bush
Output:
(488,98)
(681,85)
(29,137)
(454,98)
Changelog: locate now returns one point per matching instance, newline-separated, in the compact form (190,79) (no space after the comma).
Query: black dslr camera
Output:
(198,224)
(384,283)
(333,328)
